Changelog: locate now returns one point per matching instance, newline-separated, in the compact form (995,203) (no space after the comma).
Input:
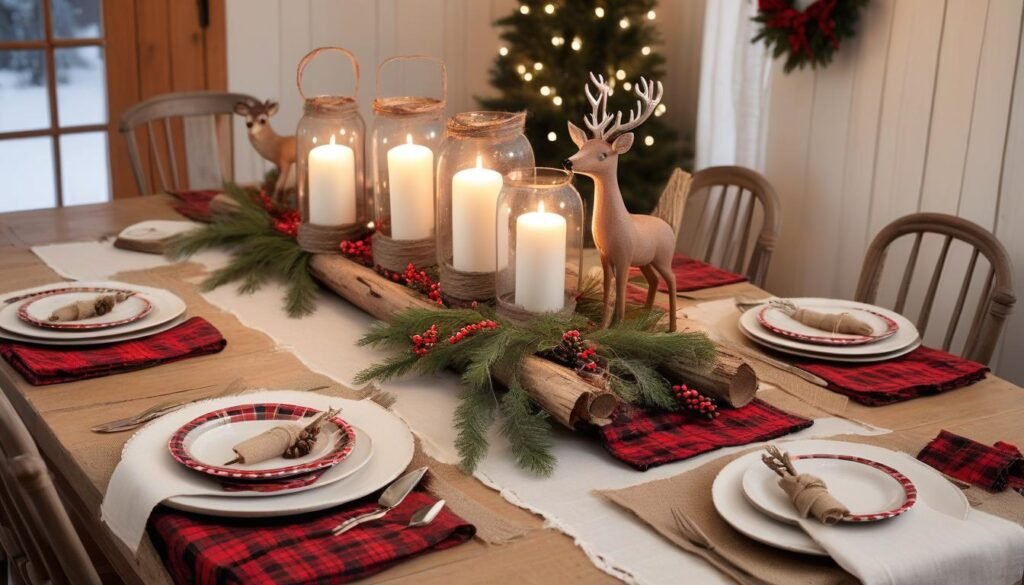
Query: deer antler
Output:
(650,96)
(599,105)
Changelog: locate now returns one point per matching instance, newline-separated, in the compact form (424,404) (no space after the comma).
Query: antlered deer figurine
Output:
(622,238)
(275,148)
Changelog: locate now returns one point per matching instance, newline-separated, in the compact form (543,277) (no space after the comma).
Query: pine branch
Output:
(639,383)
(391,368)
(528,431)
(473,418)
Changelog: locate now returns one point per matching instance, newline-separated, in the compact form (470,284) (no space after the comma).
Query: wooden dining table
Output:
(59,416)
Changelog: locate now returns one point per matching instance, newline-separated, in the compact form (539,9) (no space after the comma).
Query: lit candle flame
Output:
(479,161)
(540,207)
(332,138)
(408,138)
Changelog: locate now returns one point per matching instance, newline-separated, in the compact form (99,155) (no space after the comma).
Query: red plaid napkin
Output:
(994,468)
(42,365)
(690,275)
(298,549)
(646,439)
(922,372)
(195,205)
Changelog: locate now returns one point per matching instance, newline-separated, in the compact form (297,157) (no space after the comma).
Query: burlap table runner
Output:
(746,560)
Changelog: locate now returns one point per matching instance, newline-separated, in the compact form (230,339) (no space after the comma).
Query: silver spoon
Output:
(425,515)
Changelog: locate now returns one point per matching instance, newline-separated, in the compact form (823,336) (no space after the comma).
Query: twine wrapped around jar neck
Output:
(330,104)
(486,124)
(406,106)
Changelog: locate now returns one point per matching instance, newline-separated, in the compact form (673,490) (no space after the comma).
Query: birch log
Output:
(731,380)
(558,390)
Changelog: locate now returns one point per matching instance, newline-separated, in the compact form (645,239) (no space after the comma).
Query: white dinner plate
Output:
(356,460)
(732,505)
(37,310)
(855,359)
(166,307)
(392,451)
(871,491)
(96,340)
(905,336)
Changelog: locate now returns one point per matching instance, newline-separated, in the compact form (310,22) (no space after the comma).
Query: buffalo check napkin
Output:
(690,275)
(299,549)
(645,439)
(42,365)
(994,468)
(922,372)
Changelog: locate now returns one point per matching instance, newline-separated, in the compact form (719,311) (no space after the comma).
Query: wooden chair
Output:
(996,299)
(202,122)
(732,197)
(38,537)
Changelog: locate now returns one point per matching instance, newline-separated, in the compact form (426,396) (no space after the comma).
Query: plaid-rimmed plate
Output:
(775,320)
(204,443)
(872,491)
(37,309)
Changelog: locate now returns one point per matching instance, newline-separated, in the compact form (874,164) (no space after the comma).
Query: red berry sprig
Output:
(575,352)
(359,250)
(416,279)
(695,401)
(422,343)
(287,223)
(470,329)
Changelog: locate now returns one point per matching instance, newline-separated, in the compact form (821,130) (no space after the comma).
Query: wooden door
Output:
(69,68)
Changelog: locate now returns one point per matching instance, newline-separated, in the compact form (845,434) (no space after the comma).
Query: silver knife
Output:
(388,500)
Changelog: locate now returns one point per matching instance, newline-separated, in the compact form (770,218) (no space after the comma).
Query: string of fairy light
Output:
(527,72)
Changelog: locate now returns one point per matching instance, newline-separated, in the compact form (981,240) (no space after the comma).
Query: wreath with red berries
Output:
(810,36)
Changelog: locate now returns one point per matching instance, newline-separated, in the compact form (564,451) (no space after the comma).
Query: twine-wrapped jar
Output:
(407,133)
(540,267)
(329,161)
(479,148)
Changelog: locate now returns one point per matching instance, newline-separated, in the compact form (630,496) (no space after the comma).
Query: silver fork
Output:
(691,532)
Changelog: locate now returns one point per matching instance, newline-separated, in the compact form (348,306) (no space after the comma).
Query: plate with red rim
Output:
(778,322)
(871,490)
(204,443)
(37,310)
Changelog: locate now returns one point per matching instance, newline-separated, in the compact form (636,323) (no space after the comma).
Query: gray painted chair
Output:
(996,299)
(729,199)
(203,138)
(37,535)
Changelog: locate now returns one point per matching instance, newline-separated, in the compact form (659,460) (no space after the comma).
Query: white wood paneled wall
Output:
(923,111)
(267,38)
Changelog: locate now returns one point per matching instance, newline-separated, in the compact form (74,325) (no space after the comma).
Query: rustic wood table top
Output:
(59,416)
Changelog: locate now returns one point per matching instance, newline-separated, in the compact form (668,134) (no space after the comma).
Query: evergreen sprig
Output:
(261,253)
(635,350)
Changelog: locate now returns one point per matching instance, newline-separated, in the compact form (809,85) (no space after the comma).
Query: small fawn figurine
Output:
(275,148)
(622,238)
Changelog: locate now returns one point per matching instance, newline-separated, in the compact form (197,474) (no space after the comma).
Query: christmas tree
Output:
(549,49)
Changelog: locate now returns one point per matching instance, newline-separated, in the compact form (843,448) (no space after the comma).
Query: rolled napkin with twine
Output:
(808,493)
(832,322)
(290,441)
(80,310)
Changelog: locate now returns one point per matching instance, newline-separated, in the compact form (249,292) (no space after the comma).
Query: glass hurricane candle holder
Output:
(479,148)
(329,163)
(539,271)
(407,133)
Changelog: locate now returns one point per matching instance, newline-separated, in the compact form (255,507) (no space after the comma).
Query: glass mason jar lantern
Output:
(479,148)
(541,215)
(329,162)
(407,133)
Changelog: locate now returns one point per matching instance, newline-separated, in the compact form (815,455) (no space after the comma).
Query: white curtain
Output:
(733,104)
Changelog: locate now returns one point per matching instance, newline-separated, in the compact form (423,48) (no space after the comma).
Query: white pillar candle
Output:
(540,261)
(332,184)
(411,187)
(474,210)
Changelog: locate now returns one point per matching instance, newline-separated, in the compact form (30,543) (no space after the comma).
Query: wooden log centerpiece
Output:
(568,398)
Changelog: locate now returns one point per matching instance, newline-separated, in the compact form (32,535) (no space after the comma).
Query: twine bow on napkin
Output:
(808,493)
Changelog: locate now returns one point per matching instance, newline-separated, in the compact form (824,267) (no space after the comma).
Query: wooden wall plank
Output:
(122,62)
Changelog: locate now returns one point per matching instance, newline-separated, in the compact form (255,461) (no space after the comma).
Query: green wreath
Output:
(810,36)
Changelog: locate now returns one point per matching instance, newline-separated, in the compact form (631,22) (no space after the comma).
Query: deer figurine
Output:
(623,239)
(273,147)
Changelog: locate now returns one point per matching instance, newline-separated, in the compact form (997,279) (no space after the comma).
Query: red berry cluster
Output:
(695,401)
(471,328)
(359,250)
(417,280)
(575,352)
(287,223)
(422,343)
